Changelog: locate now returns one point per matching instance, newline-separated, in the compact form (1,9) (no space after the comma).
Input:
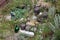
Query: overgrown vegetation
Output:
(52,23)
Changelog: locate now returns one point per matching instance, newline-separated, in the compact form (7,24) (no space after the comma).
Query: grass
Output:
(8,26)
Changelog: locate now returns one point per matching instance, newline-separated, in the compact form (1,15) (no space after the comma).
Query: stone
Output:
(45,15)
(40,20)
(36,10)
(8,17)
(26,33)
(22,26)
(33,29)
(28,27)
(31,23)
(34,17)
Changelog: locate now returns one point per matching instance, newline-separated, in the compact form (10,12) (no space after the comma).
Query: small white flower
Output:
(40,13)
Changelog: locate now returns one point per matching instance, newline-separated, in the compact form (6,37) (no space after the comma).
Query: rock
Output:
(28,19)
(36,10)
(34,17)
(40,20)
(8,17)
(26,33)
(23,26)
(33,29)
(45,15)
(27,27)
(32,23)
